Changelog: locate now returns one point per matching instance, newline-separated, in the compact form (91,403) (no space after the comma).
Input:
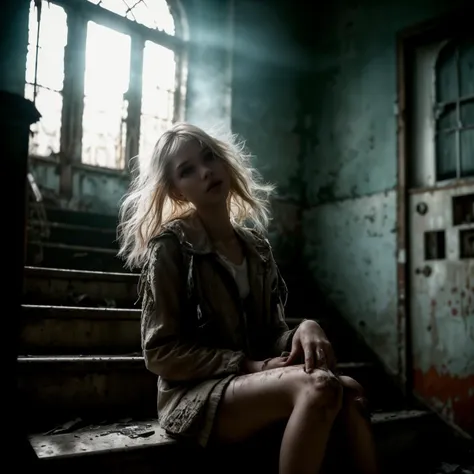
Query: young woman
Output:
(213,326)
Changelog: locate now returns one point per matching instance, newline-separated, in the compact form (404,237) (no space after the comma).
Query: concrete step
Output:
(55,388)
(58,329)
(139,446)
(73,234)
(56,286)
(89,386)
(79,330)
(81,218)
(76,257)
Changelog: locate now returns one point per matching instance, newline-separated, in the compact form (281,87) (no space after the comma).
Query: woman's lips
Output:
(214,185)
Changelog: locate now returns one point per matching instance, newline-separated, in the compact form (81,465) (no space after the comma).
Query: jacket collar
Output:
(191,234)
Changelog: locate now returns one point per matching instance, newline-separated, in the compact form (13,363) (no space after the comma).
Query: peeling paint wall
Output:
(350,169)
(351,244)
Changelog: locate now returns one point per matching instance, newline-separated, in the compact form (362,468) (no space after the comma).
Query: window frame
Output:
(439,106)
(79,13)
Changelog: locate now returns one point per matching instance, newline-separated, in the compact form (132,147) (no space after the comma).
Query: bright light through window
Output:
(45,137)
(106,81)
(109,83)
(158,92)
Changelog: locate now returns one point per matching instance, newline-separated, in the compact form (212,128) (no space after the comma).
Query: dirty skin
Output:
(242,379)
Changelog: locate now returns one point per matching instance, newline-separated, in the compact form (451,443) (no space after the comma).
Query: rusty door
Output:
(441,228)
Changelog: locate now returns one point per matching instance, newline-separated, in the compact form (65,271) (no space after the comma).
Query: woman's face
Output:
(199,177)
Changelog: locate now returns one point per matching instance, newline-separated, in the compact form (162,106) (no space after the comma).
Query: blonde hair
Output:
(149,205)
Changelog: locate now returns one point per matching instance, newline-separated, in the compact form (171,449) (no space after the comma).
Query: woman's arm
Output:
(166,352)
(281,336)
(307,342)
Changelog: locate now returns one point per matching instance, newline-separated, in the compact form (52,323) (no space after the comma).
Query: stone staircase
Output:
(89,401)
(76,240)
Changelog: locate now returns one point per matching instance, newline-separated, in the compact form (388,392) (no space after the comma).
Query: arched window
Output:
(106,76)
(154,14)
(454,110)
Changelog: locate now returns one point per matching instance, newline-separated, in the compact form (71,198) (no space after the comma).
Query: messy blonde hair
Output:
(149,204)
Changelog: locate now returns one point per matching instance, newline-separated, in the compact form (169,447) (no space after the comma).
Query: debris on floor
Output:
(452,468)
(126,427)
(135,431)
(458,460)
(66,427)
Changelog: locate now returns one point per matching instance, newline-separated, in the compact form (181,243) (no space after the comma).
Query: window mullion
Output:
(181,56)
(458,115)
(73,97)
(134,97)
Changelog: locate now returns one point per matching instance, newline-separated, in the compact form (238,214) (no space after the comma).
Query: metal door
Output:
(441,228)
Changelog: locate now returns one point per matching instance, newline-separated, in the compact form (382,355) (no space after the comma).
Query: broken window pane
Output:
(466,68)
(154,14)
(45,134)
(446,75)
(158,92)
(106,81)
(467,153)
(446,156)
(117,6)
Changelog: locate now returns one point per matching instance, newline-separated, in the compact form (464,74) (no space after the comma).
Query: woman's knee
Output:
(351,387)
(321,389)
(354,396)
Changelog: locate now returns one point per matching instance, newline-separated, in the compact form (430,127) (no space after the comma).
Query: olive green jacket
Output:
(195,329)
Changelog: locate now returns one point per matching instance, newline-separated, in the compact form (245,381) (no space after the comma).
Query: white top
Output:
(240,274)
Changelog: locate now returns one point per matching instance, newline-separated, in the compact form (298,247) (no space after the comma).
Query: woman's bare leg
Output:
(354,425)
(310,402)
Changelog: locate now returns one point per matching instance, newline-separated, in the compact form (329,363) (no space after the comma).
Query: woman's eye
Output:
(209,156)
(186,171)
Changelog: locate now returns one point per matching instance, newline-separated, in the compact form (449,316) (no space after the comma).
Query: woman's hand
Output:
(311,342)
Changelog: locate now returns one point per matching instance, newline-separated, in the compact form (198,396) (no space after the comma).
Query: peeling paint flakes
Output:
(452,395)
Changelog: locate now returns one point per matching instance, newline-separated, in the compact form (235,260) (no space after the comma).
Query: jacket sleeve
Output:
(166,350)
(281,335)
